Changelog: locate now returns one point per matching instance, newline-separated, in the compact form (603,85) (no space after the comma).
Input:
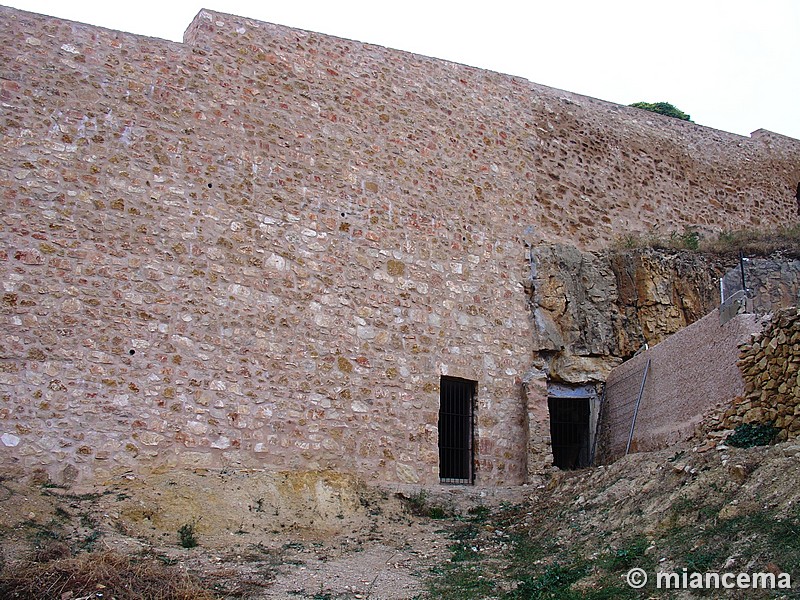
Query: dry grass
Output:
(756,242)
(99,575)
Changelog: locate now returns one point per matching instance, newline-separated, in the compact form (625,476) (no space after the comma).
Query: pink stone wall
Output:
(263,247)
(692,373)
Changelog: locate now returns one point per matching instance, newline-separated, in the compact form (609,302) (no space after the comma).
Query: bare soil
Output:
(327,536)
(257,535)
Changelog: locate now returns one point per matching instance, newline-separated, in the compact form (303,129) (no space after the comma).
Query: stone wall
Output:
(770,365)
(692,373)
(264,247)
(774,283)
(539,449)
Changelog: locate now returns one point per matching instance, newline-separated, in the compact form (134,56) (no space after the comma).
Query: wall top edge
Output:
(203,29)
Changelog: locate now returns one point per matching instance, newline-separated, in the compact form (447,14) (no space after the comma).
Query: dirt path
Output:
(258,535)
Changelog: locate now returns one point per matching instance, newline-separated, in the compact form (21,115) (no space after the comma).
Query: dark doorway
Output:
(570,432)
(456,430)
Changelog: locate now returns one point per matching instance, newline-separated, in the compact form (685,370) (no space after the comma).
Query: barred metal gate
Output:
(574,412)
(456,430)
(569,432)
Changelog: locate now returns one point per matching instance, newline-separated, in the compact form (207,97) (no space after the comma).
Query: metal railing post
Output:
(636,409)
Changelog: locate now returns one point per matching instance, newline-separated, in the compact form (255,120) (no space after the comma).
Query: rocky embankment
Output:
(770,366)
(592,310)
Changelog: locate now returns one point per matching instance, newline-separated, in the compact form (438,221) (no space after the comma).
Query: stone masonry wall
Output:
(770,365)
(264,246)
(691,374)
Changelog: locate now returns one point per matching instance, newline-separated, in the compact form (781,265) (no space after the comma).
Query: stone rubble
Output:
(770,366)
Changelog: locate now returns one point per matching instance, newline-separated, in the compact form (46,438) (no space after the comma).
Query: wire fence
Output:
(622,395)
(759,285)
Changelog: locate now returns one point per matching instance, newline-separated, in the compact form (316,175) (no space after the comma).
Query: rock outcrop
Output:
(593,310)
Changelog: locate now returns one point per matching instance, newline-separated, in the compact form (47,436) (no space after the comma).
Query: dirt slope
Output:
(325,536)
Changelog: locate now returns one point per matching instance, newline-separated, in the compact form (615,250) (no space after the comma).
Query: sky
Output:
(732,65)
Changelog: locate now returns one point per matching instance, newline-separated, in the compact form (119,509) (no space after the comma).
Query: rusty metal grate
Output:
(456,431)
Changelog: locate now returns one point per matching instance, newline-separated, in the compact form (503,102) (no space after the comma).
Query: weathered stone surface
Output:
(263,247)
(539,448)
(591,310)
(771,378)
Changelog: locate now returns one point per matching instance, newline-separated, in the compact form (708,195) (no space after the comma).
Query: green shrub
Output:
(748,435)
(186,535)
(663,108)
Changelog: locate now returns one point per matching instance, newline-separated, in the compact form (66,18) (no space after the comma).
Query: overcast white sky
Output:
(731,64)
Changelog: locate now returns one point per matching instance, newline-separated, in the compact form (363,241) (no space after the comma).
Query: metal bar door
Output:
(456,412)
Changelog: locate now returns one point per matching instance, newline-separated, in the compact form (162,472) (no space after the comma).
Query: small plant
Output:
(463,552)
(186,535)
(467,531)
(437,512)
(700,561)
(555,582)
(677,456)
(418,505)
(691,240)
(50,485)
(748,435)
(88,543)
(626,556)
(479,513)
(88,521)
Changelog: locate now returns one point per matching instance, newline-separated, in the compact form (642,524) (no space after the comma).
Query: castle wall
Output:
(264,246)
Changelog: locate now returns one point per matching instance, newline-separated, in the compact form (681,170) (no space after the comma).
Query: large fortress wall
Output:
(264,246)
(571,167)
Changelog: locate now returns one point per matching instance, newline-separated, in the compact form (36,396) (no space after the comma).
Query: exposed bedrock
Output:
(594,309)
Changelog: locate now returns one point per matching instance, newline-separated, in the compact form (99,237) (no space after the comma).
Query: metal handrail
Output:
(636,409)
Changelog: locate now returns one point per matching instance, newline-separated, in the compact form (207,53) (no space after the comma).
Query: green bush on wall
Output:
(663,108)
